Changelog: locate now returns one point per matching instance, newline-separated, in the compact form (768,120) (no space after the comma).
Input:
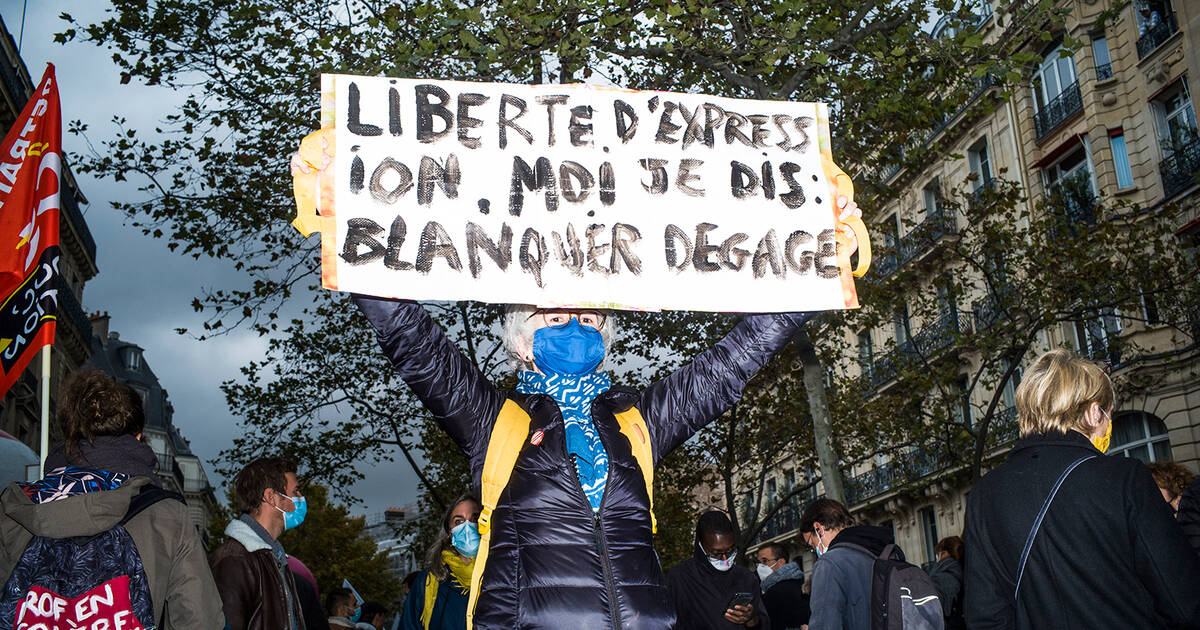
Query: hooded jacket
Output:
(784,597)
(252,577)
(947,576)
(553,562)
(1108,553)
(181,586)
(701,593)
(841,588)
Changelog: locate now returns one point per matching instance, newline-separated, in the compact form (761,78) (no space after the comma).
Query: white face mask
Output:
(764,571)
(721,565)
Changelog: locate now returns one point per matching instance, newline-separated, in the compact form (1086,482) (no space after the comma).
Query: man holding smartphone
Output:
(709,590)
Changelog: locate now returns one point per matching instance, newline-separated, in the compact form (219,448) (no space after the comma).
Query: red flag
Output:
(30,181)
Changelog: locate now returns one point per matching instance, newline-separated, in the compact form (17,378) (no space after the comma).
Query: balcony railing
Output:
(69,310)
(1004,426)
(167,467)
(1104,72)
(1155,36)
(902,469)
(926,343)
(1179,169)
(1059,110)
(938,224)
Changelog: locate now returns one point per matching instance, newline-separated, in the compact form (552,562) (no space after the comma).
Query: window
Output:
(1102,58)
(1150,310)
(1010,389)
(900,325)
(981,165)
(891,234)
(1093,337)
(772,492)
(1176,119)
(947,308)
(1055,76)
(1069,184)
(133,359)
(789,479)
(866,351)
(1120,159)
(932,193)
(1140,435)
(964,402)
(930,533)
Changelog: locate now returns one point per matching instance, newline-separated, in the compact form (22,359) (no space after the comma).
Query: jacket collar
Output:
(1072,439)
(253,537)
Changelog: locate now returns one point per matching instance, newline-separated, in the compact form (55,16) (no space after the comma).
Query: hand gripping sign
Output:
(576,195)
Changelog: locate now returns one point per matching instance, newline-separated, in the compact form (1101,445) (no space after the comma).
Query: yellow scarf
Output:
(460,572)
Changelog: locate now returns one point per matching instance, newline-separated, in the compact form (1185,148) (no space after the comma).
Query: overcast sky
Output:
(144,287)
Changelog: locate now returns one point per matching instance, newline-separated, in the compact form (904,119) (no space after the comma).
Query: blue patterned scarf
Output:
(574,395)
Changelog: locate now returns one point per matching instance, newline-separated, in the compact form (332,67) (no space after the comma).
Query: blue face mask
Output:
(296,516)
(357,614)
(568,350)
(465,538)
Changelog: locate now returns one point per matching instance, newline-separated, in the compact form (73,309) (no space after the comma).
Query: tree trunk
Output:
(818,406)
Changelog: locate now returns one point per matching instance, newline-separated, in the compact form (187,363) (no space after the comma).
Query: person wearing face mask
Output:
(438,597)
(841,576)
(1060,536)
(782,587)
(258,590)
(343,609)
(571,536)
(709,590)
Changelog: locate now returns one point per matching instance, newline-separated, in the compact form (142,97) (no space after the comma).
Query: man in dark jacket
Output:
(841,588)
(257,588)
(709,590)
(782,587)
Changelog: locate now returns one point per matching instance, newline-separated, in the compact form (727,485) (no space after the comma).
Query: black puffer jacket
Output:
(1108,554)
(552,562)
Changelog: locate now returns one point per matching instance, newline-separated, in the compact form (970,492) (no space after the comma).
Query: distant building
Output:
(177,468)
(384,529)
(20,409)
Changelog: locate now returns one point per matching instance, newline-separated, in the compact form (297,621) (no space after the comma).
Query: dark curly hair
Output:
(1172,477)
(94,404)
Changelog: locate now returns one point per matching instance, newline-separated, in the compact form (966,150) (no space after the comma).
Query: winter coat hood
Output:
(74,513)
(789,571)
(869,537)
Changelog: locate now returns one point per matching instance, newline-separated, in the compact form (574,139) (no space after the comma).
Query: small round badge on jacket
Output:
(537,437)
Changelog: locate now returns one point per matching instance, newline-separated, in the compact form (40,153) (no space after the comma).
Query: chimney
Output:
(100,324)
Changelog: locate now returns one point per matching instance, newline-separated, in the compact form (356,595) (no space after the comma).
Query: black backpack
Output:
(77,582)
(903,596)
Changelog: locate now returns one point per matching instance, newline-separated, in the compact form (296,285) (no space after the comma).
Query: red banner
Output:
(106,607)
(30,182)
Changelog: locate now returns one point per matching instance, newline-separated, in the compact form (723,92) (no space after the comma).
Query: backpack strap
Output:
(149,495)
(1037,522)
(633,427)
(504,445)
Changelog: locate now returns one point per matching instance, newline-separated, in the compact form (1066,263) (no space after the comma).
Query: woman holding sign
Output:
(567,458)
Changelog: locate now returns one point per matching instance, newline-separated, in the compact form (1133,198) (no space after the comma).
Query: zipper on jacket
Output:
(613,606)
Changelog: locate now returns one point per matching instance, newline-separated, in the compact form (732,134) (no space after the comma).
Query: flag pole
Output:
(45,450)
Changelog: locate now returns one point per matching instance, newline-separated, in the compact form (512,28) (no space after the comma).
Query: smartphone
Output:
(740,599)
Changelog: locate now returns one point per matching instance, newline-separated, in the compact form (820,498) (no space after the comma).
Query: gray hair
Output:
(519,326)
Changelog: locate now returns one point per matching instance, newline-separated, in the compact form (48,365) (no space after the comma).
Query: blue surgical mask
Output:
(357,614)
(296,516)
(568,350)
(465,538)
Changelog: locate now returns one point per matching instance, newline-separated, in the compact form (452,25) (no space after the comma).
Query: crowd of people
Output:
(560,533)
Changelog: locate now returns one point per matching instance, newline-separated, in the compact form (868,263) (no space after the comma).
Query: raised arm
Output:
(692,396)
(450,385)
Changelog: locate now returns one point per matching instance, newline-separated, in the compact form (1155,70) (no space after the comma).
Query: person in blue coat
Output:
(439,594)
(571,543)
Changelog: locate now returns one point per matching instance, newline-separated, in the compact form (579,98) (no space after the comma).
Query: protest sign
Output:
(574,195)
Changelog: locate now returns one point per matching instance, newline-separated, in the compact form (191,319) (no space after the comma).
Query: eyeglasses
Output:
(721,555)
(768,560)
(557,318)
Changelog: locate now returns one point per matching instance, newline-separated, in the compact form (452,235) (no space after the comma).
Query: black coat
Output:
(701,594)
(553,563)
(1108,554)
(787,604)
(1189,514)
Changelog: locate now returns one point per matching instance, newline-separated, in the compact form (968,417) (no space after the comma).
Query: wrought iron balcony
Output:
(70,310)
(1154,37)
(1059,110)
(1180,168)
(1004,426)
(167,467)
(902,469)
(936,336)
(1104,72)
